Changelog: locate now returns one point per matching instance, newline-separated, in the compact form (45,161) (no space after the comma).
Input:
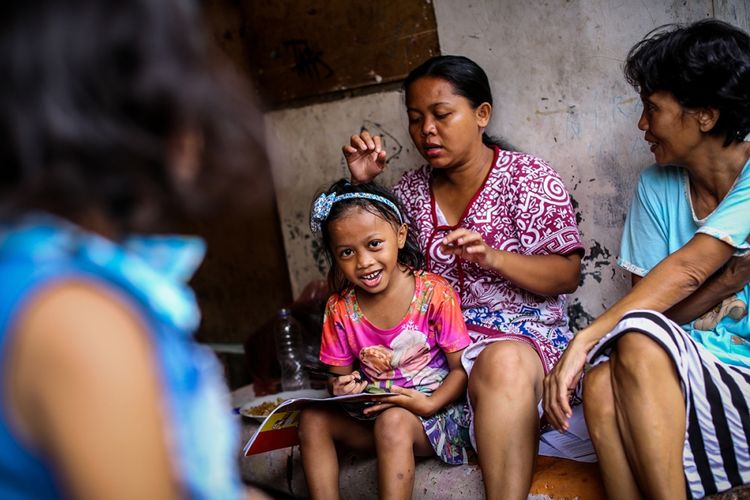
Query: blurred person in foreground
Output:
(117,120)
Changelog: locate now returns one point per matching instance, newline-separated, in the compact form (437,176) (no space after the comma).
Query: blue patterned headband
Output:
(322,206)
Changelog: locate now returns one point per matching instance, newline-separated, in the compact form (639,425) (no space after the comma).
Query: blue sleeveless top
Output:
(150,272)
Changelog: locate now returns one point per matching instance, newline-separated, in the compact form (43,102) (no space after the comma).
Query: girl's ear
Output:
(483,114)
(403,230)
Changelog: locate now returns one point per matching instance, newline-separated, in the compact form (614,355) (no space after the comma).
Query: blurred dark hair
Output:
(410,255)
(468,80)
(96,98)
(704,64)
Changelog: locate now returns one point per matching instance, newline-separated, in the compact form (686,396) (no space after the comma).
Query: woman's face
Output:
(443,125)
(672,131)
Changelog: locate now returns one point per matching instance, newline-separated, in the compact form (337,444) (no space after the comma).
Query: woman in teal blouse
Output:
(667,406)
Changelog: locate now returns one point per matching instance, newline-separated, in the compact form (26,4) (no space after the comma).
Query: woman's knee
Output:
(506,366)
(598,398)
(638,357)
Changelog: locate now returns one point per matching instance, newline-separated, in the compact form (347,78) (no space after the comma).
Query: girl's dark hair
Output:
(410,255)
(97,100)
(468,80)
(704,64)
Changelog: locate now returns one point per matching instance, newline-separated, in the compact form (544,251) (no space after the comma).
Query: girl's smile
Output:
(365,247)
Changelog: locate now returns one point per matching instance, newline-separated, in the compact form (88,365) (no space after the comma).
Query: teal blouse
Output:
(661,220)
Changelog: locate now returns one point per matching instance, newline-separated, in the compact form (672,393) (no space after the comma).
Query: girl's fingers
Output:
(403,391)
(348,150)
(377,141)
(377,408)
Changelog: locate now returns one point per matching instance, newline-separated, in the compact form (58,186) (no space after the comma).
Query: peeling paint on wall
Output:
(556,73)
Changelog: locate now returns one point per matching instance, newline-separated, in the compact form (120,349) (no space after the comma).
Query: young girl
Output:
(403,327)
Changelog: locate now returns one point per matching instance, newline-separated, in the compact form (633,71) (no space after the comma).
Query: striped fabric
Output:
(716,453)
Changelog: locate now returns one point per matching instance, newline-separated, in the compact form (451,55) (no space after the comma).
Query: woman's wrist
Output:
(584,340)
(496,260)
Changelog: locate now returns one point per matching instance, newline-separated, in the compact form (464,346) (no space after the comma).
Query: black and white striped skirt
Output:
(716,453)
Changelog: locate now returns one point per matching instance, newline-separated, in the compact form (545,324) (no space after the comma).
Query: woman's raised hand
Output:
(469,245)
(347,384)
(365,156)
(560,383)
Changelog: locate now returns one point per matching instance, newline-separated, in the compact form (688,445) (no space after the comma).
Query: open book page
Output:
(279,428)
(573,444)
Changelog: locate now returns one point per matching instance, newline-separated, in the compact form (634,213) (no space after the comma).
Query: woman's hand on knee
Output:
(560,383)
(365,157)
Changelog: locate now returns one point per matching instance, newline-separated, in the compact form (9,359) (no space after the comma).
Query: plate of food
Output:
(260,407)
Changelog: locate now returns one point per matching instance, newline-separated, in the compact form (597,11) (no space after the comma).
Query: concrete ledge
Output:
(554,478)
(281,470)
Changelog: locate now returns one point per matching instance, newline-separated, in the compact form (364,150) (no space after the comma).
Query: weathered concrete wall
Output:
(555,66)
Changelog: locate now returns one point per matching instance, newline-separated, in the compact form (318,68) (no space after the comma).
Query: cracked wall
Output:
(555,68)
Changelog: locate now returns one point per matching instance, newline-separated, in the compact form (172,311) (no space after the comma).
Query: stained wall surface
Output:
(556,73)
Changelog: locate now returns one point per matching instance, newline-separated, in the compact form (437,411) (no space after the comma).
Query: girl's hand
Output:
(347,384)
(560,383)
(416,402)
(365,157)
(470,246)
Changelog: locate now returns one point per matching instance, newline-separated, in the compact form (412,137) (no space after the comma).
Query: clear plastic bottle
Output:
(290,352)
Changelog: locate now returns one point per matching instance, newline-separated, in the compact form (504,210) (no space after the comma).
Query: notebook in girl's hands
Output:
(279,428)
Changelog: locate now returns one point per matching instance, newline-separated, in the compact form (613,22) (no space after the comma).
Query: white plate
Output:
(304,393)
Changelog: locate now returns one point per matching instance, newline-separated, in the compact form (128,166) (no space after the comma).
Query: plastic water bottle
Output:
(290,352)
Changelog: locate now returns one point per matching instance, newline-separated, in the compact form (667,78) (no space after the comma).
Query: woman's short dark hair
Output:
(704,64)
(410,255)
(468,80)
(95,100)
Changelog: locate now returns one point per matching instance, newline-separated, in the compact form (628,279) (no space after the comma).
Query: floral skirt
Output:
(448,433)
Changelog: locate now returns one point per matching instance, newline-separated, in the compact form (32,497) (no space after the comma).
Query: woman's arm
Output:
(672,280)
(733,277)
(540,274)
(87,392)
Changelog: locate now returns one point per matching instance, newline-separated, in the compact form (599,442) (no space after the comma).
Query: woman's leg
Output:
(320,429)
(601,420)
(504,387)
(399,436)
(650,412)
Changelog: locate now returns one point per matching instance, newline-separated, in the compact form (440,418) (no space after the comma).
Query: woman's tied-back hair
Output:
(409,256)
(96,99)
(704,64)
(468,80)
